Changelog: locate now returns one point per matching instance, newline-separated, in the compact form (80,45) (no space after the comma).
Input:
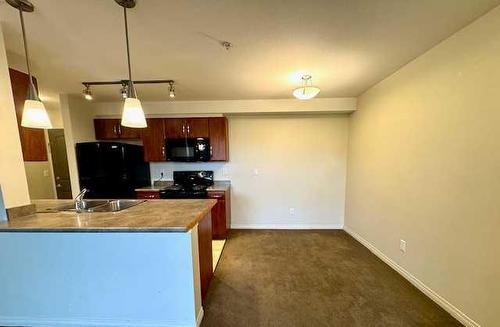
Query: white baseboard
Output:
(285,226)
(199,318)
(442,302)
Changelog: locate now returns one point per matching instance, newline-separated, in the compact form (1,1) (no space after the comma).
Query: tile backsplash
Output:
(221,169)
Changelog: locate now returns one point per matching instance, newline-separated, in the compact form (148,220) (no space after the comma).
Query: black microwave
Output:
(188,149)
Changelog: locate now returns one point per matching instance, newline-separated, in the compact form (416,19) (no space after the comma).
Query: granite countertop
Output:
(149,216)
(158,186)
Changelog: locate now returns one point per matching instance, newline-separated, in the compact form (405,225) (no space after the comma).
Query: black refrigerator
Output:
(111,170)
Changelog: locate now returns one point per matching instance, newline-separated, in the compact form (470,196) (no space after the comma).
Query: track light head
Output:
(171,92)
(87,93)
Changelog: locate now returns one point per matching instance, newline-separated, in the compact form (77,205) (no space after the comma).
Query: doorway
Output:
(60,163)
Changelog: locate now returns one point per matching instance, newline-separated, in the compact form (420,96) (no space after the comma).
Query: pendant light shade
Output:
(133,115)
(306,91)
(34,113)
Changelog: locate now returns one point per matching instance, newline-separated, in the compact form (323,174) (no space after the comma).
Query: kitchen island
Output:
(148,265)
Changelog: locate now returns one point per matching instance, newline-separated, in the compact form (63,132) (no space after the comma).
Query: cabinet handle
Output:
(163,151)
(183,129)
(211,151)
(115,130)
(119,129)
(189,129)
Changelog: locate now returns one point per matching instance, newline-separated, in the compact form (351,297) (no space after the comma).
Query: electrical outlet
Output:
(45,173)
(402,246)
(292,211)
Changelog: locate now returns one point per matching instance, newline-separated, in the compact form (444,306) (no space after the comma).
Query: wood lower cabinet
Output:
(33,141)
(147,194)
(221,214)
(111,129)
(205,253)
(153,139)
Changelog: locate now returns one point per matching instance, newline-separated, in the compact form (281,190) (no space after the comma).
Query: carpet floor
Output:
(311,278)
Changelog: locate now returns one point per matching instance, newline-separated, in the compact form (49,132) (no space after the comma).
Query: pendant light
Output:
(132,115)
(34,113)
(307,90)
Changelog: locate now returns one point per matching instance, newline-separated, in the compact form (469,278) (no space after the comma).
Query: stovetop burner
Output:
(188,185)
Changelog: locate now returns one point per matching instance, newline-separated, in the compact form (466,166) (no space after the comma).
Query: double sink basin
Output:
(100,205)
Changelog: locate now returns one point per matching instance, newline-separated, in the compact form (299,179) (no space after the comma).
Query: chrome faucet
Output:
(79,200)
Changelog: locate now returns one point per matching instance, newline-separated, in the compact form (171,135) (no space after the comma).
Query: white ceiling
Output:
(346,45)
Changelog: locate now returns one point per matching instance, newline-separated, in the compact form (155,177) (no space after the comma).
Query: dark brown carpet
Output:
(311,278)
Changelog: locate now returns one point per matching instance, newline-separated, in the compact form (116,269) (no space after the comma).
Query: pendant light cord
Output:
(25,45)
(126,40)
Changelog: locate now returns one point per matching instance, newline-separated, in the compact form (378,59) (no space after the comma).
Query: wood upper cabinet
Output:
(159,129)
(218,132)
(111,129)
(153,139)
(175,128)
(186,127)
(197,127)
(33,142)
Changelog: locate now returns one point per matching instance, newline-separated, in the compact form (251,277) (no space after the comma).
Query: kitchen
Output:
(241,163)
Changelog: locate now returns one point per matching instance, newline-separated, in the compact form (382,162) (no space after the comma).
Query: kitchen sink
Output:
(117,205)
(87,205)
(101,205)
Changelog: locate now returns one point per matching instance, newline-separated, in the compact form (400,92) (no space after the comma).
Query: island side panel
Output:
(205,253)
(112,279)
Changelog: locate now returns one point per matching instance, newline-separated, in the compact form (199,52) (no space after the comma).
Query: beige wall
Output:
(301,163)
(424,166)
(40,179)
(77,115)
(12,174)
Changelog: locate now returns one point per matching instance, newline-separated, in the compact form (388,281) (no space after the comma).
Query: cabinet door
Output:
(175,128)
(128,133)
(106,129)
(147,194)
(218,134)
(153,139)
(197,127)
(219,229)
(32,139)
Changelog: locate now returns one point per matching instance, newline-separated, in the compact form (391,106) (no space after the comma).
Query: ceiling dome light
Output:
(34,113)
(87,93)
(307,90)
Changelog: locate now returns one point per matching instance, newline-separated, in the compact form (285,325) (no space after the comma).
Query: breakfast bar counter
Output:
(148,216)
(146,265)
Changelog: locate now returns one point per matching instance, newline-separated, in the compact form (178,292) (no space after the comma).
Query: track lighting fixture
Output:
(171,92)
(87,93)
(34,113)
(307,90)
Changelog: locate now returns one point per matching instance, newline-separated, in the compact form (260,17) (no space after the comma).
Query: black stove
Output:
(189,185)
